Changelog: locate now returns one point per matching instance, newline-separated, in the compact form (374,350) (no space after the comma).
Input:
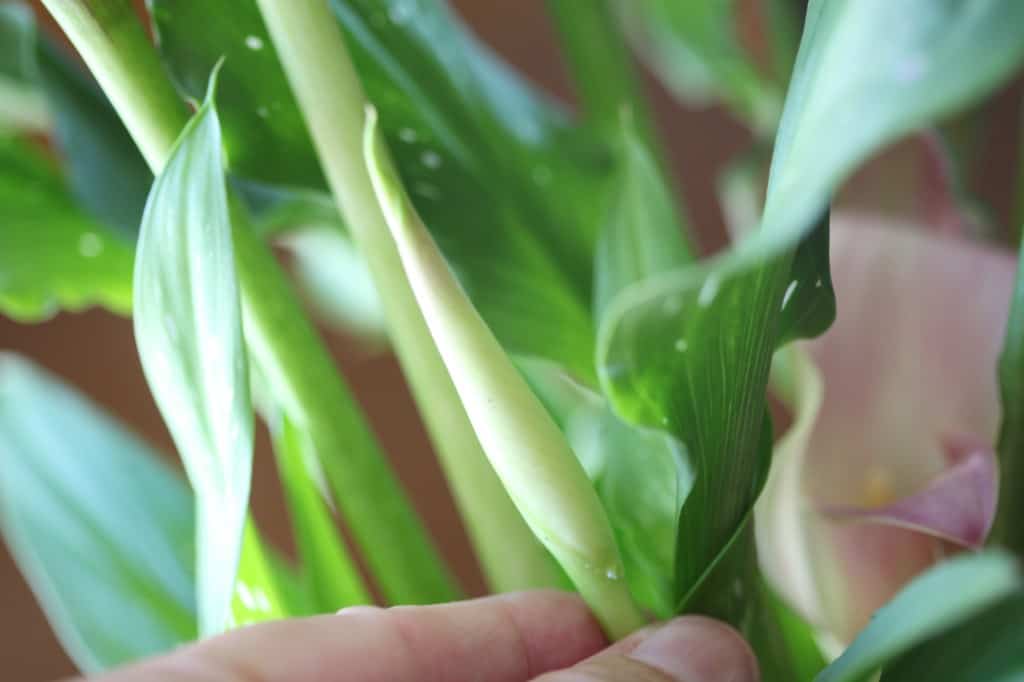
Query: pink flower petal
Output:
(958,505)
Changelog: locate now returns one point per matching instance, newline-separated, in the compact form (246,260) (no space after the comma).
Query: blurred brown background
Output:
(95,351)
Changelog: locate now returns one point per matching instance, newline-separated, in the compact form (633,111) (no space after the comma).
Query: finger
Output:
(505,638)
(688,649)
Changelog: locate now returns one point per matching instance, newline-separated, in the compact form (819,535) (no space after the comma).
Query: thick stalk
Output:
(110,39)
(312,50)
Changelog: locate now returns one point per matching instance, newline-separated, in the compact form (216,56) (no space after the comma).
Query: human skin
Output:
(543,635)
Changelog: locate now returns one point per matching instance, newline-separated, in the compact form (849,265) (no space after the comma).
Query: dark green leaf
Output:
(105,170)
(102,529)
(728,315)
(942,598)
(510,192)
(52,255)
(641,476)
(188,328)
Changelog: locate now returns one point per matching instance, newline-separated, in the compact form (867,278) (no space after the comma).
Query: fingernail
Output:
(359,609)
(696,649)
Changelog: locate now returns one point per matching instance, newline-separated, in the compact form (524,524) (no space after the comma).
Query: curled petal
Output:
(958,505)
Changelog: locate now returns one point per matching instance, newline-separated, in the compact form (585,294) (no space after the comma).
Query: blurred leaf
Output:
(188,328)
(105,170)
(22,105)
(696,49)
(641,476)
(989,646)
(102,529)
(941,599)
(332,577)
(491,167)
(53,256)
(643,234)
(730,313)
(256,597)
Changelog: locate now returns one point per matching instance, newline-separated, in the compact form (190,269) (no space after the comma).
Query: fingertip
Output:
(698,649)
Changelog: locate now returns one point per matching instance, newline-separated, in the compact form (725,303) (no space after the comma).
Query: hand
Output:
(548,636)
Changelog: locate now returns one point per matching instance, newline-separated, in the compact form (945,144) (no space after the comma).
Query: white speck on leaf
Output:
(90,245)
(789,293)
(254,42)
(707,293)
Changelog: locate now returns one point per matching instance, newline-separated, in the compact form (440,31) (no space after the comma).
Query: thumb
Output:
(687,649)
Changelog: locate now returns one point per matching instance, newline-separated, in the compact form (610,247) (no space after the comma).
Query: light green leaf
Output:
(989,647)
(641,476)
(730,313)
(931,605)
(491,166)
(188,328)
(100,526)
(52,255)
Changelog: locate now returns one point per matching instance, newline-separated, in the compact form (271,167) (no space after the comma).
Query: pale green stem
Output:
(110,39)
(313,53)
(530,454)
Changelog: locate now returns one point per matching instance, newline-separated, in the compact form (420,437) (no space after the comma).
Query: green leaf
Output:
(491,167)
(643,234)
(641,477)
(988,647)
(931,605)
(730,313)
(104,168)
(52,255)
(333,579)
(696,49)
(526,448)
(100,526)
(188,328)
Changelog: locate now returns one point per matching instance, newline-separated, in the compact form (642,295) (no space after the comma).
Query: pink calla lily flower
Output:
(889,464)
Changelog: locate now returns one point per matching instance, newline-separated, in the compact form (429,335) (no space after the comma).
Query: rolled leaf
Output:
(188,329)
(527,450)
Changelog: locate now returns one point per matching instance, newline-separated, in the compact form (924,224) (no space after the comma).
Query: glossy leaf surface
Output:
(492,168)
(730,313)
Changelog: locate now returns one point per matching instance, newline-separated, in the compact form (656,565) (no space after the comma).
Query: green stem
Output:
(302,378)
(331,97)
(600,63)
(110,39)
